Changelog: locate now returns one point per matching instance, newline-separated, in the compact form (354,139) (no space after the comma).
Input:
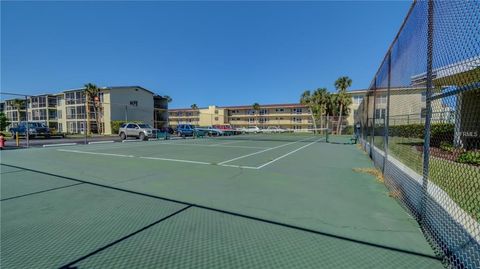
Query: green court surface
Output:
(231,202)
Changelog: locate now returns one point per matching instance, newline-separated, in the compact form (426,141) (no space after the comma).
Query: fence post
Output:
(387,112)
(428,116)
(373,115)
(27,131)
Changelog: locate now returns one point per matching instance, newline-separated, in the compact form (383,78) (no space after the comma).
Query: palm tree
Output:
(194,106)
(169,99)
(321,98)
(91,95)
(308,100)
(256,107)
(342,84)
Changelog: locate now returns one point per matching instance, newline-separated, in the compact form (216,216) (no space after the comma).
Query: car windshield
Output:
(145,126)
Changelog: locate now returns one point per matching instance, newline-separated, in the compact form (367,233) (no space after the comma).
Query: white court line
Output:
(96,153)
(59,145)
(238,166)
(101,142)
(261,151)
(285,155)
(174,160)
(129,141)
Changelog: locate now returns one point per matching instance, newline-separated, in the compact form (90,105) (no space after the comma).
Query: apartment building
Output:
(66,112)
(291,116)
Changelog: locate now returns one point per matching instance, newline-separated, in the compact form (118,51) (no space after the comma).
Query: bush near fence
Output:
(439,132)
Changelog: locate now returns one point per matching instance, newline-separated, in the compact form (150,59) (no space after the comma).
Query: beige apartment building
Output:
(291,116)
(66,111)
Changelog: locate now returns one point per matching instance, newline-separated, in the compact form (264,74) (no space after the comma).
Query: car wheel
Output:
(123,136)
(142,136)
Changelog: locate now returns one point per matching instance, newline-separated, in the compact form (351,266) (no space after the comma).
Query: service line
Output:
(262,151)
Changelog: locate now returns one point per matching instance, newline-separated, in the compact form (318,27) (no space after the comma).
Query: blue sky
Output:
(223,53)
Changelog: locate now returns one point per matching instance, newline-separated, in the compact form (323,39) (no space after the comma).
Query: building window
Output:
(216,118)
(71,113)
(355,113)
(357,99)
(380,113)
(263,111)
(297,111)
(381,99)
(134,103)
(251,120)
(216,111)
(424,96)
(59,114)
(70,98)
(298,120)
(263,120)
(279,110)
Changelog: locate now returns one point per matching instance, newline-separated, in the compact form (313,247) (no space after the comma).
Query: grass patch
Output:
(371,171)
(460,181)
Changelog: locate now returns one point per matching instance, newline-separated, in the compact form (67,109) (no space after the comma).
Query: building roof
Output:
(112,88)
(269,105)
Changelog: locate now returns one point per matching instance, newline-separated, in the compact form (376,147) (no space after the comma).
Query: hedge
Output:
(439,132)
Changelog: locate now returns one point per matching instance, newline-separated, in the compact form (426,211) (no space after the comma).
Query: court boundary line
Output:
(287,154)
(262,151)
(405,251)
(153,158)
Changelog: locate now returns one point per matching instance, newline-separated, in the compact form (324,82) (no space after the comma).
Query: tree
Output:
(316,103)
(194,106)
(343,100)
(256,107)
(321,98)
(92,93)
(4,122)
(169,99)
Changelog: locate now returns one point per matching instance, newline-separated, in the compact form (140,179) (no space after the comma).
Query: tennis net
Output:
(307,135)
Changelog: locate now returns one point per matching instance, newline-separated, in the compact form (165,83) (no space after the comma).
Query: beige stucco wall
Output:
(119,101)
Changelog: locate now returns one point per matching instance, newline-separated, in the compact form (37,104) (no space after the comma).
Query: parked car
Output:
(226,129)
(139,130)
(251,130)
(184,130)
(34,129)
(210,130)
(168,130)
(273,129)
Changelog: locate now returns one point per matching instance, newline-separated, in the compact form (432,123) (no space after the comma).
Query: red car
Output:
(227,129)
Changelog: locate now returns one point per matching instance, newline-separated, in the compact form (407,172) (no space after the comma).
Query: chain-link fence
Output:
(420,123)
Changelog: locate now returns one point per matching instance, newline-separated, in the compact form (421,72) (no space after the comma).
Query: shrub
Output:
(446,146)
(348,130)
(115,125)
(441,132)
(470,157)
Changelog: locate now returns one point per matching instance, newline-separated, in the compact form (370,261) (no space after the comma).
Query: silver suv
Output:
(139,130)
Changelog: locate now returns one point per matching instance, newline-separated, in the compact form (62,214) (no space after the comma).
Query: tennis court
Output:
(276,200)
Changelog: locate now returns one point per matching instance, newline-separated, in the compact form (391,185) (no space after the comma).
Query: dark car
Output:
(34,129)
(185,130)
